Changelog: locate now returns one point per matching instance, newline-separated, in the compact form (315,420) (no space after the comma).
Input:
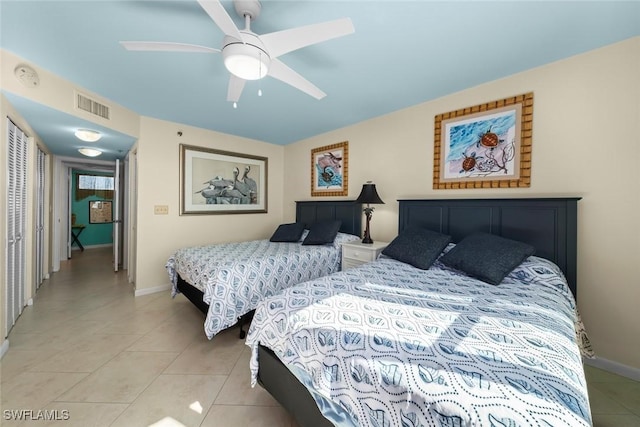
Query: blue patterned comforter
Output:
(387,344)
(234,277)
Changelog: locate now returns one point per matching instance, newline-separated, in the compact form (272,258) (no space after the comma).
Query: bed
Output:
(226,281)
(389,344)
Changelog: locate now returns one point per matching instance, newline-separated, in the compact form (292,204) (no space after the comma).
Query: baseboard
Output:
(4,348)
(104,245)
(147,291)
(615,367)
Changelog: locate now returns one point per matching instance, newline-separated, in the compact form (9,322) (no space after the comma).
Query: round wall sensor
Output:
(27,75)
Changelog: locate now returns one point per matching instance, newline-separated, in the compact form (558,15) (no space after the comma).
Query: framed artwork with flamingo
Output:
(484,146)
(219,182)
(330,170)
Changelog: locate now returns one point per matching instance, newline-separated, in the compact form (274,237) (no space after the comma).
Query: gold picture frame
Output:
(484,146)
(221,182)
(330,170)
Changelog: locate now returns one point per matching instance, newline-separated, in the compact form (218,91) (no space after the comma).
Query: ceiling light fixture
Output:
(89,152)
(88,135)
(248,60)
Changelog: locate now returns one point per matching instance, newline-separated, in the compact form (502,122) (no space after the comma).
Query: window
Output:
(94,185)
(95,182)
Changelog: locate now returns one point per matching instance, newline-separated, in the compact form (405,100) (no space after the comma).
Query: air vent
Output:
(92,106)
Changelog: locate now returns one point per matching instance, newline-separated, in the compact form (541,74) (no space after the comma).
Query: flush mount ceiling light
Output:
(89,152)
(88,135)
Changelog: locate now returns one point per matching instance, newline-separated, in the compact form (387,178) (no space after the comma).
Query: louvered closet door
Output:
(16,217)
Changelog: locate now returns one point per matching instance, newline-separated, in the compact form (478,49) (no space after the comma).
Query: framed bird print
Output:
(330,170)
(217,182)
(484,146)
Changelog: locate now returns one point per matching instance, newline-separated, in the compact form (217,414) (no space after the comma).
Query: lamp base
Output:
(367,236)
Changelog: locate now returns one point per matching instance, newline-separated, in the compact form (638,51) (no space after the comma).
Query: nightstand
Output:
(358,253)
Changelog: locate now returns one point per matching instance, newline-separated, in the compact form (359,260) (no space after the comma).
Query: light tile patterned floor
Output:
(90,350)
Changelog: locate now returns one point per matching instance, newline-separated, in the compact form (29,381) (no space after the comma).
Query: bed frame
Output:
(548,224)
(307,212)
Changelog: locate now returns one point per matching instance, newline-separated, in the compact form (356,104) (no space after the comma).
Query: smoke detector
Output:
(27,75)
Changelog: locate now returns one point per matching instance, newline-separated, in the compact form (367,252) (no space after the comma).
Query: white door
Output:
(16,218)
(69,240)
(116,216)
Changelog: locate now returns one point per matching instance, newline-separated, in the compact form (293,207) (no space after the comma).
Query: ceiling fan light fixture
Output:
(88,135)
(89,152)
(246,61)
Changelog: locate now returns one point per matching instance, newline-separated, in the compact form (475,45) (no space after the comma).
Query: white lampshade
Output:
(88,135)
(89,152)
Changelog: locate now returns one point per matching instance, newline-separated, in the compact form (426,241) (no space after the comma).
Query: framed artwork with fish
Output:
(221,182)
(330,170)
(484,146)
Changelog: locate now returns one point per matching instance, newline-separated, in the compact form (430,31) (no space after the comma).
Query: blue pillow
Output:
(487,257)
(288,232)
(417,246)
(322,233)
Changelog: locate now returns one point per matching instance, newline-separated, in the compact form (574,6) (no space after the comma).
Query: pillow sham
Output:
(322,233)
(417,246)
(344,238)
(487,257)
(288,232)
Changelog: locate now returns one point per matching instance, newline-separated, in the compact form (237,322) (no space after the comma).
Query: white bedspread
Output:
(392,345)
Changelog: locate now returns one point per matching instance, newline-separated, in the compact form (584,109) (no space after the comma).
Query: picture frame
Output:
(100,212)
(484,146)
(330,170)
(221,182)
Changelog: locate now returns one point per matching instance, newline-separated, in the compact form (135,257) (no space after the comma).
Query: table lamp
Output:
(368,195)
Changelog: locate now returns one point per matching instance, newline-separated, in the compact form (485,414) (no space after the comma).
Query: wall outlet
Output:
(161,210)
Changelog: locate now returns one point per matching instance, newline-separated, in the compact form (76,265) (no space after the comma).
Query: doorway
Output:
(94,213)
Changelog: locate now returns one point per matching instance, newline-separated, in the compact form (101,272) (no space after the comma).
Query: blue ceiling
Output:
(401,54)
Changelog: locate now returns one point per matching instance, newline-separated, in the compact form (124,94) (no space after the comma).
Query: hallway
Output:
(91,354)
(89,351)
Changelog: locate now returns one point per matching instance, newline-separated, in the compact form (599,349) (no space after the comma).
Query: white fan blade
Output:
(236,85)
(281,42)
(279,71)
(216,11)
(167,47)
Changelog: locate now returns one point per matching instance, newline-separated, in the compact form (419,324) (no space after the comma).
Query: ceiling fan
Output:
(249,56)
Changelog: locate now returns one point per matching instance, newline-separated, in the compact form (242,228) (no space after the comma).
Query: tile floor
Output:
(100,357)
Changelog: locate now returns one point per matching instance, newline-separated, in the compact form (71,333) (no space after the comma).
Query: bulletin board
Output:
(100,212)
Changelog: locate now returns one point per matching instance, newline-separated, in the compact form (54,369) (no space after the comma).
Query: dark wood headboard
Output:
(347,211)
(548,224)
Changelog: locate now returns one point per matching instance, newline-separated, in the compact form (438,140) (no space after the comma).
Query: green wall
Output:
(93,234)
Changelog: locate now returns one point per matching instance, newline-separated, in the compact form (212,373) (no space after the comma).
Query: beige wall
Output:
(158,184)
(585,140)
